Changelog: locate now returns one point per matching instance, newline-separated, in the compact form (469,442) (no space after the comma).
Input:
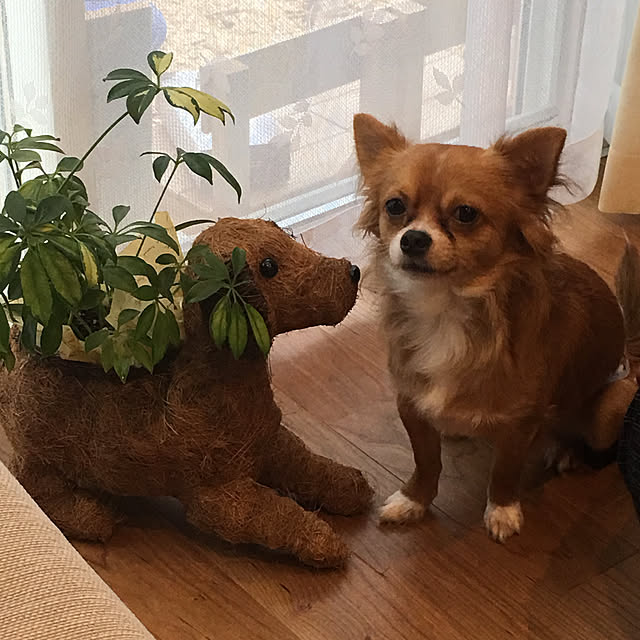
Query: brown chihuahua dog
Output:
(492,331)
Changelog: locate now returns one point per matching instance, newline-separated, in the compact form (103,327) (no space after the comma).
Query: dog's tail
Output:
(627,283)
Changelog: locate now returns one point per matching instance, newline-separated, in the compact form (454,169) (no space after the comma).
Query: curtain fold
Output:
(620,191)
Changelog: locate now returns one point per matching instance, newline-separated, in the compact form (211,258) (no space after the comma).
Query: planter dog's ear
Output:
(203,428)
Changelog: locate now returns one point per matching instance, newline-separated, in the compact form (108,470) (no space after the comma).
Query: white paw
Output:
(399,508)
(503,522)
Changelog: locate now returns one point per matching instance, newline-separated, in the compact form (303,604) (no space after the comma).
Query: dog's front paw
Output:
(399,508)
(503,521)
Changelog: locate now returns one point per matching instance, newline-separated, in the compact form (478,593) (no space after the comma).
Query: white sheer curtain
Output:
(294,72)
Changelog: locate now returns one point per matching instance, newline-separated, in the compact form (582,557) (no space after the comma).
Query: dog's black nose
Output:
(354,272)
(415,243)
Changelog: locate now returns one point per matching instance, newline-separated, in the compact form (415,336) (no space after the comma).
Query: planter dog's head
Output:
(291,285)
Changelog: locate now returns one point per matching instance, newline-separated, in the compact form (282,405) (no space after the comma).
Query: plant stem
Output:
(6,302)
(14,171)
(155,209)
(91,148)
(82,322)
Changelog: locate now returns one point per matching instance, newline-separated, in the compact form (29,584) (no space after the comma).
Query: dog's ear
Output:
(372,140)
(534,155)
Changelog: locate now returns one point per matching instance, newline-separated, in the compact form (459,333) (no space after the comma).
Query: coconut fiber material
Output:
(203,428)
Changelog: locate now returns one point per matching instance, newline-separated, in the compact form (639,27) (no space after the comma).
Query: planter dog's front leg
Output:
(78,513)
(243,511)
(314,480)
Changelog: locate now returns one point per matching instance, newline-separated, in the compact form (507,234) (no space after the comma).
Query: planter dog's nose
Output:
(354,272)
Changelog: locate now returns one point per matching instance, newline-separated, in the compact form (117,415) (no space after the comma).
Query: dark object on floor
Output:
(629,451)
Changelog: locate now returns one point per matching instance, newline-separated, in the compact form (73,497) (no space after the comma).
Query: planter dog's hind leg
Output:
(315,481)
(243,511)
(78,513)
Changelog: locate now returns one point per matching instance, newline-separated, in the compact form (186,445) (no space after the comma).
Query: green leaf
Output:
(216,263)
(29,326)
(15,286)
(51,337)
(219,322)
(166,258)
(62,274)
(95,340)
(145,321)
(192,223)
(238,331)
(259,329)
(66,244)
(138,103)
(126,74)
(39,188)
(156,232)
(181,100)
(52,208)
(119,278)
(159,61)
(9,360)
(206,272)
(35,286)
(4,332)
(121,365)
(208,104)
(18,127)
(238,260)
(160,338)
(142,355)
(166,278)
(3,135)
(146,292)
(160,165)
(91,299)
(225,173)
(39,142)
(186,282)
(69,164)
(198,251)
(15,206)
(127,87)
(174,329)
(6,224)
(119,213)
(136,266)
(199,166)
(26,156)
(89,264)
(121,238)
(107,355)
(203,290)
(9,259)
(127,315)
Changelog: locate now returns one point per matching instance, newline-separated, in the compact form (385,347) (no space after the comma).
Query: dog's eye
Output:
(268,267)
(465,214)
(395,207)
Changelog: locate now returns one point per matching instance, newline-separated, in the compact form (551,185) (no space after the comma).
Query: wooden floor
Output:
(574,573)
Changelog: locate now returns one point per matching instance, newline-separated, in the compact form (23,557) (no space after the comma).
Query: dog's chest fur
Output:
(440,348)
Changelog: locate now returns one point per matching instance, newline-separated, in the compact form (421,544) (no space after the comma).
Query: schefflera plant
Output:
(59,264)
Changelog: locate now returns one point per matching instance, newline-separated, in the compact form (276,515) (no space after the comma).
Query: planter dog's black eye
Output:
(465,214)
(268,267)
(395,207)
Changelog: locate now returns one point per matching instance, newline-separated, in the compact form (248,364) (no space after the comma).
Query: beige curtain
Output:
(621,183)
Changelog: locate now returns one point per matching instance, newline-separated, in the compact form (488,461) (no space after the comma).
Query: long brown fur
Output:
(493,332)
(203,428)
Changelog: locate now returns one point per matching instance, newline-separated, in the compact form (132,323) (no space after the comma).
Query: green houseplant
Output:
(59,261)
